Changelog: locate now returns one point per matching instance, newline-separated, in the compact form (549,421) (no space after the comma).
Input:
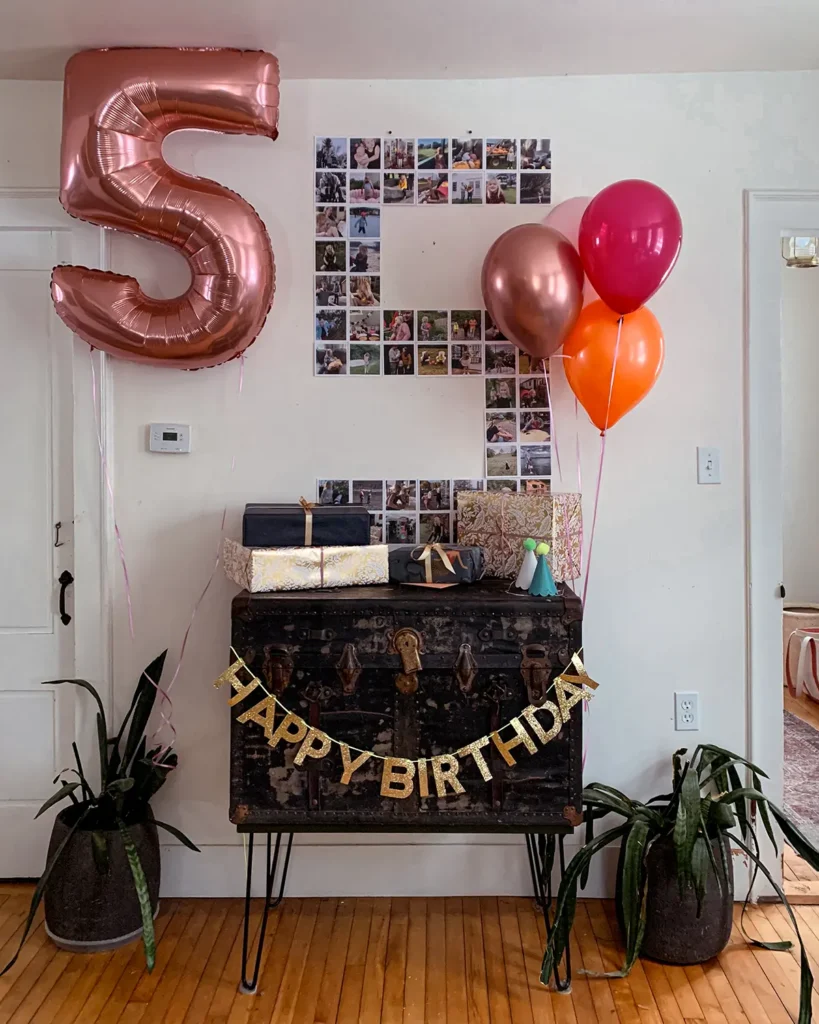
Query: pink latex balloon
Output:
(532,283)
(565,218)
(630,238)
(118,106)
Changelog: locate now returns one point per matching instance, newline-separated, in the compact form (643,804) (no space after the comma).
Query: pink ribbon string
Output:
(552,424)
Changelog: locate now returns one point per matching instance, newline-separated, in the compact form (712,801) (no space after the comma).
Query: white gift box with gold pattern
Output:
(264,569)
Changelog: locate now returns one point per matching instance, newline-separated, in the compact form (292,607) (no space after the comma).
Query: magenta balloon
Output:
(118,106)
(532,283)
(630,238)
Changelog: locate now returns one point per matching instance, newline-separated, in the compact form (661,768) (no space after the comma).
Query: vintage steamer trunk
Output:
(410,672)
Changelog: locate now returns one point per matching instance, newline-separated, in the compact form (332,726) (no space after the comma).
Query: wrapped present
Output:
(500,522)
(262,569)
(305,525)
(435,565)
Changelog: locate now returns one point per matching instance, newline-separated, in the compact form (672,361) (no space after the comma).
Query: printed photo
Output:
(500,359)
(536,460)
(536,187)
(399,154)
(400,495)
(467,154)
(331,290)
(528,364)
(500,393)
(365,291)
(365,359)
(434,529)
(398,325)
(491,330)
(369,493)
(465,325)
(504,486)
(467,188)
(501,154)
(365,257)
(433,188)
(331,187)
(538,486)
(501,426)
(365,154)
(432,324)
(331,257)
(365,188)
(433,154)
(501,460)
(365,222)
(434,495)
(334,492)
(331,153)
(533,393)
(331,359)
(331,222)
(536,154)
(466,359)
(399,189)
(401,529)
(466,485)
(365,325)
(377,528)
(399,360)
(534,426)
(433,361)
(501,188)
(331,325)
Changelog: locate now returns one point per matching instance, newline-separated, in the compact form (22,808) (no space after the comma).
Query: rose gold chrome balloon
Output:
(532,284)
(118,106)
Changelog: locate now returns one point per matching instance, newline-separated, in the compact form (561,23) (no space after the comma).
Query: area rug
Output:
(802,775)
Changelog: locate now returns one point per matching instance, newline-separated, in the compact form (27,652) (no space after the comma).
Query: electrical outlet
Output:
(686,711)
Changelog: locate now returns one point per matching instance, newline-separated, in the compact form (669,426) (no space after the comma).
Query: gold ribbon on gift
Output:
(426,558)
(308,521)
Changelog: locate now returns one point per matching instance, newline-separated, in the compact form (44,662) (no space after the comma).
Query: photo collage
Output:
(413,511)
(354,180)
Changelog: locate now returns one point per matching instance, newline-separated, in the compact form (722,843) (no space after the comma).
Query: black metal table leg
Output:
(271,866)
(541,852)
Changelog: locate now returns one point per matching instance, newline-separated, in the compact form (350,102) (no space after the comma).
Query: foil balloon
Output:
(118,106)
(565,218)
(532,283)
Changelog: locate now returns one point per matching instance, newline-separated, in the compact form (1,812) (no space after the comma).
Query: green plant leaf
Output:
(676,762)
(720,817)
(687,824)
(632,890)
(611,803)
(176,833)
(730,756)
(102,743)
(742,811)
(89,795)
(763,813)
(141,886)
(40,888)
(65,790)
(142,705)
(119,786)
(795,837)
(699,869)
(99,849)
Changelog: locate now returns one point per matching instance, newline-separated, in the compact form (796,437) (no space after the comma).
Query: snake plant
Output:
(708,801)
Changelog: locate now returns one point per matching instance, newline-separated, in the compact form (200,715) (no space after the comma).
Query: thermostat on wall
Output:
(169,437)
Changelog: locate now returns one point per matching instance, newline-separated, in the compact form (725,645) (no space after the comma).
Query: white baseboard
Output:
(372,869)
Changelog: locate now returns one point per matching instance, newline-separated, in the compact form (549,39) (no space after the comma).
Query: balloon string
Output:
(577,448)
(552,425)
(107,477)
(613,371)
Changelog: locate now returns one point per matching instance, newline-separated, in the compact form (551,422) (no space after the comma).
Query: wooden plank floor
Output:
(801,882)
(392,961)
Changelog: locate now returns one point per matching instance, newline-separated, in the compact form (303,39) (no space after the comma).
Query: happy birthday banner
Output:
(399,773)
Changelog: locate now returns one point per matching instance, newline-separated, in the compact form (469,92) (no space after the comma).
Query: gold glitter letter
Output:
(402,779)
(316,744)
(351,766)
(445,770)
(263,713)
(567,696)
(291,728)
(529,714)
(423,778)
(474,749)
(521,736)
(231,675)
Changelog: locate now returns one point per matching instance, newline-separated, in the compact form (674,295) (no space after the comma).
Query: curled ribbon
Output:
(308,521)
(426,558)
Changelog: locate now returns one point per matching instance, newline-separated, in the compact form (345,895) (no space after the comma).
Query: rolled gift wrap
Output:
(435,565)
(260,570)
(305,525)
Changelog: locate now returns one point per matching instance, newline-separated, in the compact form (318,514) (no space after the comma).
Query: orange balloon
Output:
(589,354)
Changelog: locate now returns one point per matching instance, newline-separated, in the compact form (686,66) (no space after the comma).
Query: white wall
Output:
(666,603)
(800,432)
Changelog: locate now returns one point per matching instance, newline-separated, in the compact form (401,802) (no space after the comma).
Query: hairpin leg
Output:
(271,866)
(541,852)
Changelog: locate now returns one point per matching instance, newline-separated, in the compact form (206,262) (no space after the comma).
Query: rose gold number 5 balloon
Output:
(118,106)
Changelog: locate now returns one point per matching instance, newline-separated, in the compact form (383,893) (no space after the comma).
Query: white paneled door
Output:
(36,494)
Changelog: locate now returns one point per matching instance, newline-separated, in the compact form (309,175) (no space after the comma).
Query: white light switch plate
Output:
(708,466)
(172,438)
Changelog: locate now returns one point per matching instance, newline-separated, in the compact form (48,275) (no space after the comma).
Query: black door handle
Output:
(65,580)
